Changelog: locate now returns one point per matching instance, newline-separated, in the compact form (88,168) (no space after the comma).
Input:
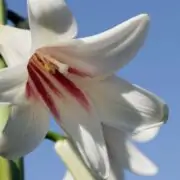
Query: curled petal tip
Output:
(150,172)
(143,17)
(117,46)
(141,21)
(153,171)
(165,113)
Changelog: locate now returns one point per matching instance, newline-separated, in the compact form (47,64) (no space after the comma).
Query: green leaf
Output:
(4,107)
(2,62)
(17,168)
(11,170)
(4,115)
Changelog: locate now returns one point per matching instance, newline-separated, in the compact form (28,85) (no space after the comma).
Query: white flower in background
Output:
(72,160)
(122,153)
(74,79)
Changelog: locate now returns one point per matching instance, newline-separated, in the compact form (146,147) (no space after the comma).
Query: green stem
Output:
(11,170)
(17,20)
(54,137)
(19,163)
(5,173)
(3,13)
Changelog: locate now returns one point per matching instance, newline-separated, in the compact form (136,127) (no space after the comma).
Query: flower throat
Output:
(45,82)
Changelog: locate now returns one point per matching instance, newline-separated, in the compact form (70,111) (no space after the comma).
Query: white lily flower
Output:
(74,79)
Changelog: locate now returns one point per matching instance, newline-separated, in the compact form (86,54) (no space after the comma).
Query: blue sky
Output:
(155,68)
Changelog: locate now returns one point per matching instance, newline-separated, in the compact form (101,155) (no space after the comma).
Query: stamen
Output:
(61,67)
(45,63)
(29,90)
(45,79)
(78,73)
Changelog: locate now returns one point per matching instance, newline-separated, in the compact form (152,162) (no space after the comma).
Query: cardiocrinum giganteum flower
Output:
(50,71)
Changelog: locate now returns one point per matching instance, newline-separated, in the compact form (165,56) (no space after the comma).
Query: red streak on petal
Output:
(43,92)
(72,89)
(29,91)
(47,80)
(78,73)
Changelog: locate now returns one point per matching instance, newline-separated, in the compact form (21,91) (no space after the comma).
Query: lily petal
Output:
(118,156)
(86,132)
(125,106)
(50,21)
(12,80)
(114,48)
(26,128)
(104,53)
(15,45)
(16,54)
(138,163)
(116,173)
(150,106)
(125,154)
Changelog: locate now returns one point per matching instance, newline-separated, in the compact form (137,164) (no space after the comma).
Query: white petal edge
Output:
(73,162)
(68,176)
(50,21)
(15,45)
(147,134)
(26,128)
